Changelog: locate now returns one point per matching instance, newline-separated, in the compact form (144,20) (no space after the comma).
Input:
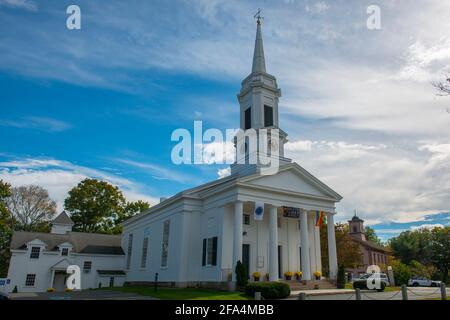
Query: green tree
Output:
(5,228)
(340,280)
(129,210)
(371,235)
(348,253)
(412,245)
(241,274)
(440,248)
(95,206)
(402,272)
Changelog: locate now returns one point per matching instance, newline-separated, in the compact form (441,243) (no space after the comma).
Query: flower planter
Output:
(288,277)
(256,279)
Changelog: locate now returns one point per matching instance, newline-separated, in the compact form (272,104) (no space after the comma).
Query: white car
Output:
(423,282)
(383,277)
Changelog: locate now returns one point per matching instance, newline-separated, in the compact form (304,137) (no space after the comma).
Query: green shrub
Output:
(15,289)
(340,281)
(241,275)
(269,290)
(402,272)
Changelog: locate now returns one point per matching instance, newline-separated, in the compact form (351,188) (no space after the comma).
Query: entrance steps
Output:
(301,285)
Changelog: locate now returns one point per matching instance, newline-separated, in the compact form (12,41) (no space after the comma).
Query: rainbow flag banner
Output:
(321,218)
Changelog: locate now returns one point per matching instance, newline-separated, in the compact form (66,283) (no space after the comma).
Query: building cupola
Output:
(62,224)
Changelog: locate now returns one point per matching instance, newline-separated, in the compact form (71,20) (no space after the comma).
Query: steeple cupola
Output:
(356,226)
(62,224)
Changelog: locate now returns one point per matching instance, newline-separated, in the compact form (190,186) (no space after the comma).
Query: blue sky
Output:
(103,101)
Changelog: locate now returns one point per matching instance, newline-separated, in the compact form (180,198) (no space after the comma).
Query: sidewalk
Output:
(322,292)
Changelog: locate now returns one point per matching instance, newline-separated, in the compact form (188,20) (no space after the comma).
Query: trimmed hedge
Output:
(269,290)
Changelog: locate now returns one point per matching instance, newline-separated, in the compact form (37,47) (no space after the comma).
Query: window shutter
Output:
(214,253)
(204,253)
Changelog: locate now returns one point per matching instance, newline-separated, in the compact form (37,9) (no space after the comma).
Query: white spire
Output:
(259,63)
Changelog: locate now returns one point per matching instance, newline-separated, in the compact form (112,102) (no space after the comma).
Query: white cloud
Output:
(58,177)
(318,7)
(219,152)
(383,182)
(158,172)
(37,123)
(222,173)
(21,4)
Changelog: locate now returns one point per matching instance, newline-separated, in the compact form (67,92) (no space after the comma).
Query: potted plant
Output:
(298,275)
(256,276)
(288,275)
(317,274)
(267,277)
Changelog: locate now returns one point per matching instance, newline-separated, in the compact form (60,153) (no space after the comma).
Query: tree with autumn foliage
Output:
(348,253)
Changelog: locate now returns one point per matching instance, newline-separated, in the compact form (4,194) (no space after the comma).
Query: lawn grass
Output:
(183,293)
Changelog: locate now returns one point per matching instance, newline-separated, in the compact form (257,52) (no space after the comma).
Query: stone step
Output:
(309,285)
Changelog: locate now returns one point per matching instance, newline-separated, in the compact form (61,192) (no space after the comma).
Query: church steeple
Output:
(258,100)
(259,62)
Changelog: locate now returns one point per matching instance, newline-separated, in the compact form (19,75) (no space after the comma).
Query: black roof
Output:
(103,250)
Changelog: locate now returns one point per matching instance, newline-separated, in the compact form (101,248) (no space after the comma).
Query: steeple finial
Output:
(258,16)
(259,63)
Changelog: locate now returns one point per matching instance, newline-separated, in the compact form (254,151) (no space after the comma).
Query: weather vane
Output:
(258,16)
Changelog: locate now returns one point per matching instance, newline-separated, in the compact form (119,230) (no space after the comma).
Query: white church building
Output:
(197,236)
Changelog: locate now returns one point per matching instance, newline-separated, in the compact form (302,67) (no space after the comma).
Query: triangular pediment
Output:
(293,178)
(61,265)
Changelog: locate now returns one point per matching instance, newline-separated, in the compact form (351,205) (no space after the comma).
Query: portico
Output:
(278,243)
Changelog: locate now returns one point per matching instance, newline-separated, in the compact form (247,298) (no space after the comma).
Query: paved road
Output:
(413,294)
(80,295)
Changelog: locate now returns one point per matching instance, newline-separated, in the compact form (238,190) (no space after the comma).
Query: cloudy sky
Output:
(358,104)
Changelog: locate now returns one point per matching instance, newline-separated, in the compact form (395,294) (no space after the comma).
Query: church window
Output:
(165,244)
(246,218)
(209,256)
(29,280)
(268,116)
(87,266)
(129,250)
(144,253)
(248,118)
(354,229)
(35,251)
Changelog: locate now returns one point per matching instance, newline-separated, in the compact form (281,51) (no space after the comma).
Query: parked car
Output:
(361,283)
(4,296)
(423,282)
(383,277)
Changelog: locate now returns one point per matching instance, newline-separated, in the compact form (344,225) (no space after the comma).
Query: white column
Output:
(306,265)
(237,238)
(332,255)
(273,244)
(52,278)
